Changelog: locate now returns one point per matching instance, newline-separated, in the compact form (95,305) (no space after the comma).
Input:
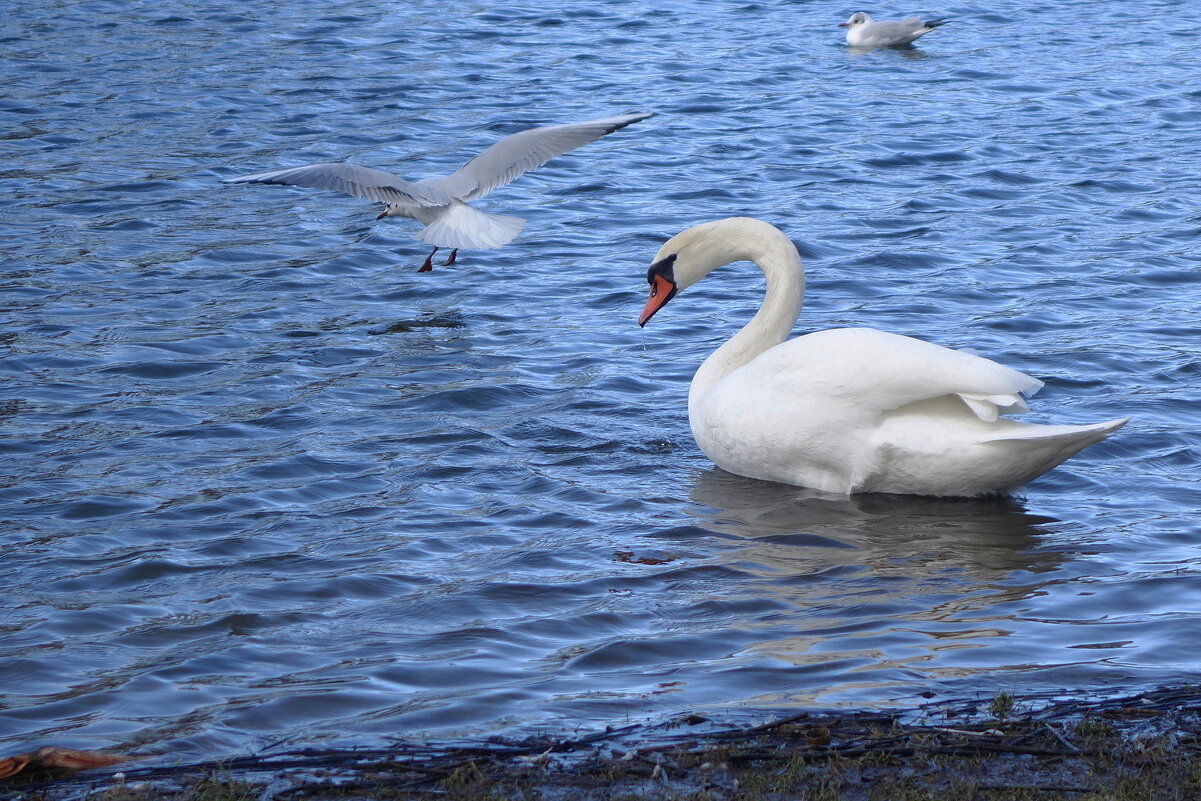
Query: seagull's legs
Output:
(429,262)
(451,260)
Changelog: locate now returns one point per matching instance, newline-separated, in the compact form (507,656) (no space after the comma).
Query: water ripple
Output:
(263,482)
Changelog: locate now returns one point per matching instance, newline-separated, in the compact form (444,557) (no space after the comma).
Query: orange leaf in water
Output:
(69,759)
(53,758)
(10,766)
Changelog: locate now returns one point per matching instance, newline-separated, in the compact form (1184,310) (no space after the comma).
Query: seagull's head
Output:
(855,20)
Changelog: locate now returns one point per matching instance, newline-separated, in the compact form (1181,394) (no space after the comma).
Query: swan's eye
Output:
(661,267)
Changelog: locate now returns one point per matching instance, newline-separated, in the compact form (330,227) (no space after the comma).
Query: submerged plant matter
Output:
(1144,747)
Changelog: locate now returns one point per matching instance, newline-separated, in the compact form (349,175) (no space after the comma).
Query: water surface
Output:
(263,483)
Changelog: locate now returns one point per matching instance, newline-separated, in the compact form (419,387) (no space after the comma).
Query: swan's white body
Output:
(863,31)
(442,204)
(853,409)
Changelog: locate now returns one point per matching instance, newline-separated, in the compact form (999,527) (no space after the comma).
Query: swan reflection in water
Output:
(989,536)
(879,581)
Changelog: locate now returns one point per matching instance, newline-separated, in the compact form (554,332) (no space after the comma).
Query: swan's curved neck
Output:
(771,325)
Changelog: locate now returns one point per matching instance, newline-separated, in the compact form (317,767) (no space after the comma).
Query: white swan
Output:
(441,204)
(863,31)
(850,409)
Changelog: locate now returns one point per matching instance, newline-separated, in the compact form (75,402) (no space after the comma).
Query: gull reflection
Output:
(909,52)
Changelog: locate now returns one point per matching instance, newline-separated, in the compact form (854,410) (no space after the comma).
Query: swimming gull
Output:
(863,31)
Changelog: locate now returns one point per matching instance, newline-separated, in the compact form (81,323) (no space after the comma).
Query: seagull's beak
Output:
(844,24)
(383,214)
(662,291)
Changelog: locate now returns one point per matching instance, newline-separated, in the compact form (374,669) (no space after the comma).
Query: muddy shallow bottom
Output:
(1140,747)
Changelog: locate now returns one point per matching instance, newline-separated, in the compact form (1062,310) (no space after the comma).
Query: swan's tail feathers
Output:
(460,226)
(1034,449)
(1085,435)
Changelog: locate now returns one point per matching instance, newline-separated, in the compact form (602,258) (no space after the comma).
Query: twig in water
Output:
(1066,743)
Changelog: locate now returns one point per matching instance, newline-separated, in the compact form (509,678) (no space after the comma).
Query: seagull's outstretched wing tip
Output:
(351,179)
(525,150)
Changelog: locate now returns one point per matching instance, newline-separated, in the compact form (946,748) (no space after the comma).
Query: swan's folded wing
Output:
(990,407)
(878,371)
(522,152)
(352,179)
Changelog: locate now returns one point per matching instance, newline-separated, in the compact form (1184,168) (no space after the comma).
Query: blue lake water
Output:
(261,482)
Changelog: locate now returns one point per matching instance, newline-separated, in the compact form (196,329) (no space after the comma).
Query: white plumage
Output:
(852,409)
(863,31)
(441,204)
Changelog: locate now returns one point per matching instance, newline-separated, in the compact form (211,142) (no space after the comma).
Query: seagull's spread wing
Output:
(522,152)
(353,179)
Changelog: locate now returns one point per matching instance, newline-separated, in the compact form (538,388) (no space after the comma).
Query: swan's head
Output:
(856,19)
(692,254)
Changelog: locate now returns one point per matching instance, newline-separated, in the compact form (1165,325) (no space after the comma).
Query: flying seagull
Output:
(442,204)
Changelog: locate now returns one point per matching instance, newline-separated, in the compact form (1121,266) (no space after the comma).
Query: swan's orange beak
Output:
(662,291)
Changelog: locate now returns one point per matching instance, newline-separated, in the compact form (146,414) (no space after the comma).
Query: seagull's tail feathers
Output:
(458,225)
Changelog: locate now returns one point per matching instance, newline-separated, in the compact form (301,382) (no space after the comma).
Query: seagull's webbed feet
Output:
(428,264)
(453,255)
